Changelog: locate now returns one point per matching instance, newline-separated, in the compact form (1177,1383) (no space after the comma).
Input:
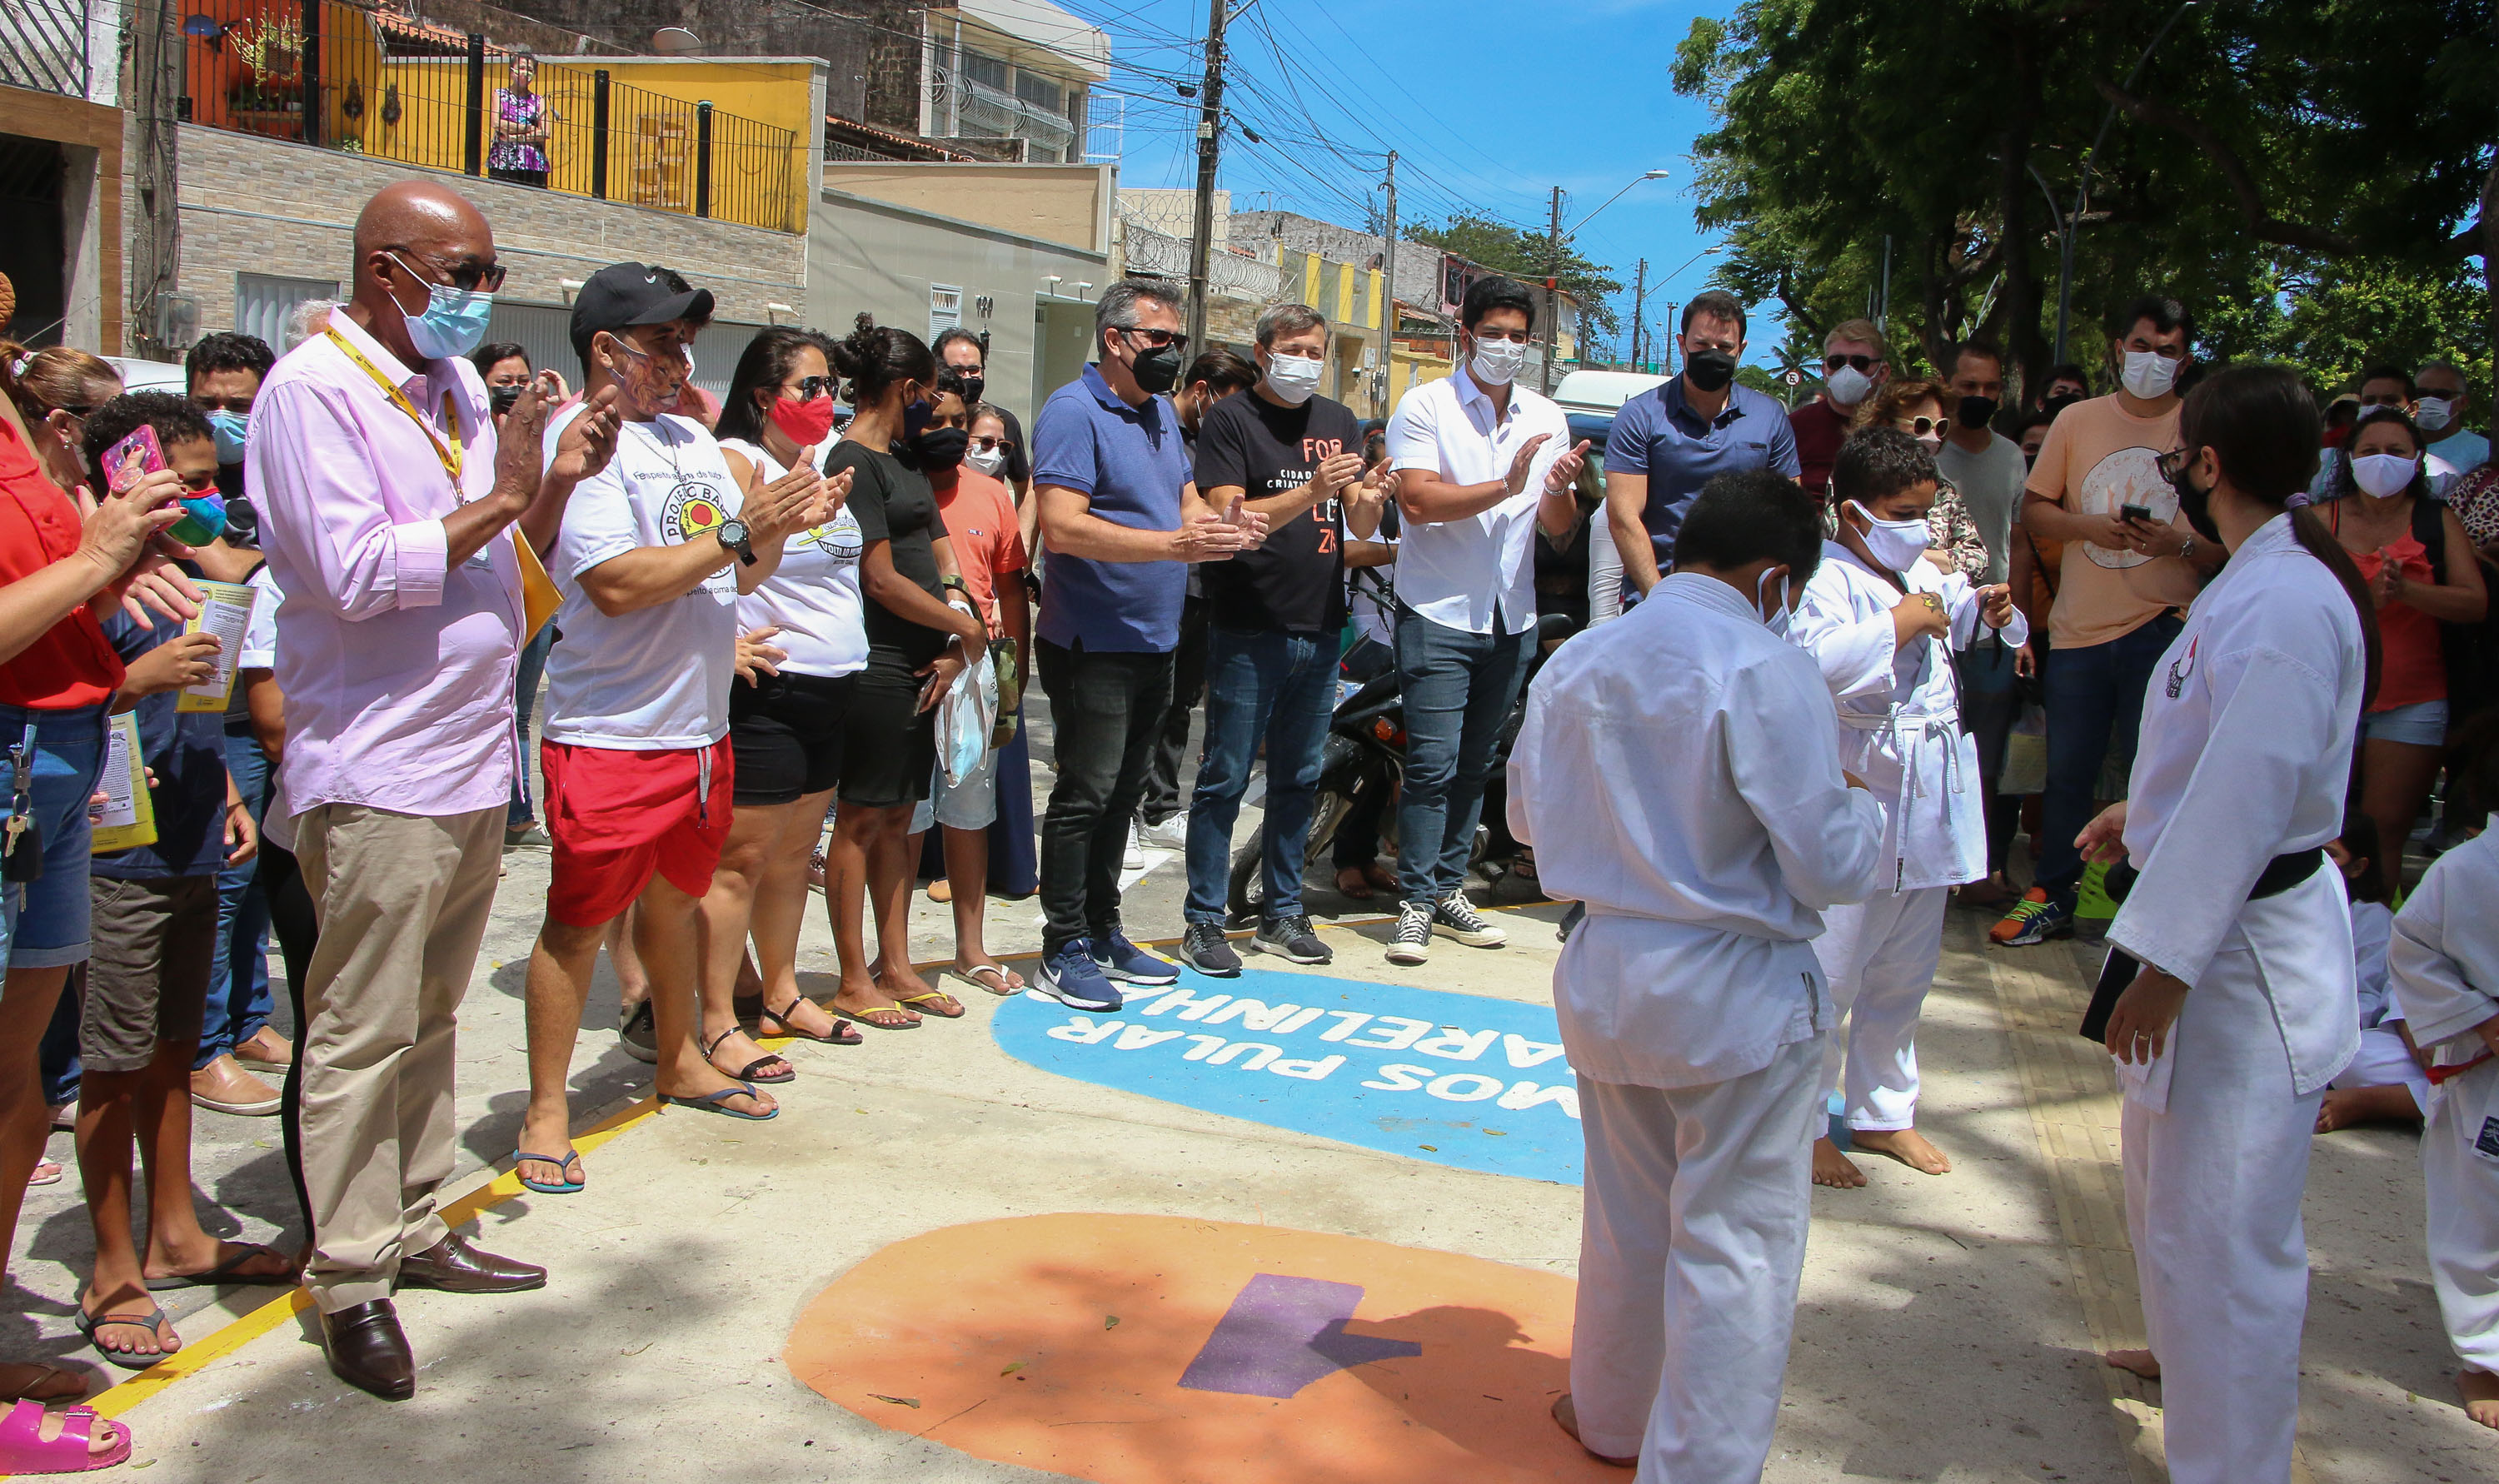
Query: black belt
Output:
(2279,875)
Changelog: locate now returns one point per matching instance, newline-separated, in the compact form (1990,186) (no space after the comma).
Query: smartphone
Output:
(133,459)
(2135,512)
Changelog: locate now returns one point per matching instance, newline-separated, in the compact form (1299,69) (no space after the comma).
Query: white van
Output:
(1589,401)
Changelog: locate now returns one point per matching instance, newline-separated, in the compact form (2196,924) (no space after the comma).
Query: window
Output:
(1033,88)
(987,70)
(263,304)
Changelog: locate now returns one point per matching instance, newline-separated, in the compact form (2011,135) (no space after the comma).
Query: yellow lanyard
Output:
(449,452)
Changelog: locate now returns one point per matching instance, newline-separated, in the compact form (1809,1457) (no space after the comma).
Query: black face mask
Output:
(502,397)
(1156,370)
(1710,370)
(1975,412)
(2056,404)
(2197,505)
(939,449)
(973,385)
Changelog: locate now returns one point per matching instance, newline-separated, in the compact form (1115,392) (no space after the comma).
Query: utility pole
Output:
(1672,335)
(1552,282)
(1388,296)
(1639,300)
(1210,145)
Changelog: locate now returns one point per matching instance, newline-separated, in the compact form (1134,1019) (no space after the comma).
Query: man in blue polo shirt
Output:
(1669,441)
(1123,522)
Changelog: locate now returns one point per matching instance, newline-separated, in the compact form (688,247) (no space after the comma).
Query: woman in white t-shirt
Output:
(802,644)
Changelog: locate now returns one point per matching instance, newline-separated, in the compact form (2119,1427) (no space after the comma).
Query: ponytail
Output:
(2264,432)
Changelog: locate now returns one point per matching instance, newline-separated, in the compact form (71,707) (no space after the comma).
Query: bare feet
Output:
(2481,1391)
(24,1381)
(1567,1417)
(1906,1145)
(2346,1106)
(1834,1168)
(2142,1363)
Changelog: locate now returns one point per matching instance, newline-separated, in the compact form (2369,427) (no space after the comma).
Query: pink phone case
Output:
(133,459)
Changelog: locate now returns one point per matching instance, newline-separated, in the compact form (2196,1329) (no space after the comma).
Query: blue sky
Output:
(1489,103)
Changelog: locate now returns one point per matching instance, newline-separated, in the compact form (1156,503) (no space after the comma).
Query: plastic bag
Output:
(965,716)
(2026,754)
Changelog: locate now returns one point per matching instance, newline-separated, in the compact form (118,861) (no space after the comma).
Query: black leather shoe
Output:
(455,1265)
(368,1350)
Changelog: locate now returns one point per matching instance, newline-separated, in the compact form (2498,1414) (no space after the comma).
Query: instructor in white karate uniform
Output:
(1690,1000)
(2232,954)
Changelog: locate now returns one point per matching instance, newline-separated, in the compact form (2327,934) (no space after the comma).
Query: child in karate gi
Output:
(1881,622)
(2445,964)
(2386,1082)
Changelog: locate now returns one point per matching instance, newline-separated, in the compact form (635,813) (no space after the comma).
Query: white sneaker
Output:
(1135,860)
(1172,834)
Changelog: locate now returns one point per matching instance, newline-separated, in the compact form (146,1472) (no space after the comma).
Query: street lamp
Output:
(1640,302)
(1553,264)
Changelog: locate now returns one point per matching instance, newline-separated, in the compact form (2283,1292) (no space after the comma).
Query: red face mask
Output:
(807,423)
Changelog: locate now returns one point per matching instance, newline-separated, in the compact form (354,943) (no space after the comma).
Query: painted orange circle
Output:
(1152,1349)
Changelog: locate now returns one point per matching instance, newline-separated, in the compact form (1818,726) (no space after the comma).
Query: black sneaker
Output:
(640,1034)
(1456,918)
(1205,949)
(1411,942)
(1291,938)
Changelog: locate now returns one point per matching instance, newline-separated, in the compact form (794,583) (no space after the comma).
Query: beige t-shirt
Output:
(2097,458)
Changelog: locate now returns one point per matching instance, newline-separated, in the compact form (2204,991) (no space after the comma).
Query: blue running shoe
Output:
(1068,974)
(1119,959)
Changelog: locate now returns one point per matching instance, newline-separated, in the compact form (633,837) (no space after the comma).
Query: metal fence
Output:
(43,46)
(344,78)
(1145,250)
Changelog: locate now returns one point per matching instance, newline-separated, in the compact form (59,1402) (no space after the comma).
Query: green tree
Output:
(1527,256)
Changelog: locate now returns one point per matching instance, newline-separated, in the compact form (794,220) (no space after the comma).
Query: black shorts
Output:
(786,735)
(889,746)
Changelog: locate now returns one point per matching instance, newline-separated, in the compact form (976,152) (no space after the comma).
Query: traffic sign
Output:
(1794,378)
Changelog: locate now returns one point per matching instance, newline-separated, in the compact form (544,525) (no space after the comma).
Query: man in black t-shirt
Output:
(1273,616)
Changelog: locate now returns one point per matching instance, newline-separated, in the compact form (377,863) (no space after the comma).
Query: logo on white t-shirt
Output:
(2130,477)
(839,537)
(692,509)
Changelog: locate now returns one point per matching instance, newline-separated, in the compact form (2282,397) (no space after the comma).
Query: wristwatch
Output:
(734,535)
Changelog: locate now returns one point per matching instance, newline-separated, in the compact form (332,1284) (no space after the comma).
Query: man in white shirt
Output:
(1690,1002)
(1481,463)
(2441,397)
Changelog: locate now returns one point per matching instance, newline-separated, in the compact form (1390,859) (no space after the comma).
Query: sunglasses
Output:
(1865,364)
(809,388)
(1157,338)
(1922,425)
(983,443)
(468,277)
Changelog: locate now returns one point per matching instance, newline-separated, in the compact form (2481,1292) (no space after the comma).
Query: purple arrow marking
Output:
(1281,1334)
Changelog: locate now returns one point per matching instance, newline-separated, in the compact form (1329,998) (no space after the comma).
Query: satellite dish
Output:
(674,41)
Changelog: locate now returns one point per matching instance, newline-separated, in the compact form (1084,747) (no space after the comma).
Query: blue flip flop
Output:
(714,1103)
(546,1187)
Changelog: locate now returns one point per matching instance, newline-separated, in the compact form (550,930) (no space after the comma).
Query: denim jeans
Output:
(1459,690)
(2094,701)
(1106,709)
(1281,685)
(525,699)
(239,1001)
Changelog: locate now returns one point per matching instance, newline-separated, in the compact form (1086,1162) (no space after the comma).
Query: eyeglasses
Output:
(1514,336)
(468,277)
(983,443)
(1919,427)
(2171,465)
(1157,338)
(1865,364)
(809,388)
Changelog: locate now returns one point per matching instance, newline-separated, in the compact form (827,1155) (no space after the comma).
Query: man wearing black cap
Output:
(652,556)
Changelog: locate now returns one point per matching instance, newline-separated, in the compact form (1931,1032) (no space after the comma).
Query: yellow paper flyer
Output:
(129,813)
(225,610)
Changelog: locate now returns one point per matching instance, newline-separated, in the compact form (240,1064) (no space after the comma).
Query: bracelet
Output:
(2187,548)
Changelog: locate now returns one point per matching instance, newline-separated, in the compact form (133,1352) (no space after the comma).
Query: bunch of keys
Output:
(17,865)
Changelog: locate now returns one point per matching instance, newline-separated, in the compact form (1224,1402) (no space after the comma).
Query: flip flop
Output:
(972,977)
(842,1034)
(748,1073)
(565,1162)
(717,1103)
(861,1017)
(926,1002)
(23,1449)
(88,1324)
(223,1275)
(51,1384)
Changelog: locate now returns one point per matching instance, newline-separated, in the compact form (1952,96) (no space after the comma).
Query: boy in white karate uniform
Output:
(1694,806)
(2444,963)
(1881,622)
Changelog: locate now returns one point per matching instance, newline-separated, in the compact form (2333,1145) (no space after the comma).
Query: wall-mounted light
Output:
(570,287)
(772,312)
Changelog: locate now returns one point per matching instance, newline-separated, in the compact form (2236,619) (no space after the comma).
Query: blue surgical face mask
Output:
(229,427)
(454,321)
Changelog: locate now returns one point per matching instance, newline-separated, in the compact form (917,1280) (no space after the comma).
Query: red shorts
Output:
(618,816)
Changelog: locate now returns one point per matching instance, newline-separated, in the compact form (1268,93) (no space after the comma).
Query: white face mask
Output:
(986,460)
(2435,414)
(2149,373)
(1293,379)
(1776,619)
(1847,386)
(1496,363)
(1896,545)
(2384,475)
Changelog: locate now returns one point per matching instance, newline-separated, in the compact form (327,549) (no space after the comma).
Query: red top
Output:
(1819,431)
(2416,661)
(71,666)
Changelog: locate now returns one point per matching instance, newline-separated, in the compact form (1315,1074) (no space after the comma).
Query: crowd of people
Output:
(784,633)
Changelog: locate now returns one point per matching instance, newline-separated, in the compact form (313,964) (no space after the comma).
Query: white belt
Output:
(1906,730)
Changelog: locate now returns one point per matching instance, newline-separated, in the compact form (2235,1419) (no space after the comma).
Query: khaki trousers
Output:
(403,902)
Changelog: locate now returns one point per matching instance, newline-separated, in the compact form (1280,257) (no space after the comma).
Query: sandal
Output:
(996,982)
(50,1383)
(933,1002)
(718,1102)
(23,1449)
(150,1321)
(48,1172)
(563,1162)
(842,1034)
(223,1273)
(748,1073)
